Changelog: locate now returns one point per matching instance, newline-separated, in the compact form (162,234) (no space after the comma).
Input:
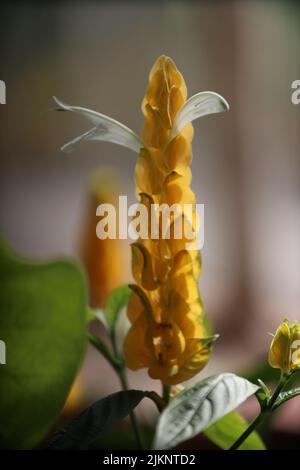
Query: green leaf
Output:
(118,299)
(229,428)
(199,406)
(43,324)
(285,396)
(99,418)
(90,314)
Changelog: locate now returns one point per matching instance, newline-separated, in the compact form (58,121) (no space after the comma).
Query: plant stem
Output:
(134,420)
(166,393)
(248,431)
(113,360)
(281,384)
(123,379)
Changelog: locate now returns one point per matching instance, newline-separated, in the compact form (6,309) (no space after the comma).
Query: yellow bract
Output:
(167,335)
(101,258)
(283,354)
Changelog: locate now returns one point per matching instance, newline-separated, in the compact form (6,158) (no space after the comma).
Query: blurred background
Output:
(246,166)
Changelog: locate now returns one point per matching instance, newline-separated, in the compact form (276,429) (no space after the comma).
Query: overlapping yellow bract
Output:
(167,335)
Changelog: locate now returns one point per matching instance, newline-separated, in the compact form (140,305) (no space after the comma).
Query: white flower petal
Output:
(74,143)
(201,104)
(107,129)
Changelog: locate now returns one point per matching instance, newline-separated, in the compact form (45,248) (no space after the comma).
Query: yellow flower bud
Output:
(284,352)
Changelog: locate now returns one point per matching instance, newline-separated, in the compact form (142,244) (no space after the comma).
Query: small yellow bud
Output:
(284,352)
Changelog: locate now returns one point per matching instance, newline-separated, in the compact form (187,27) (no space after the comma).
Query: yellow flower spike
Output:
(142,267)
(175,336)
(167,334)
(178,155)
(285,341)
(135,344)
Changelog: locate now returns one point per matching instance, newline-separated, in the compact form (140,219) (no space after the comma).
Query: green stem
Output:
(283,381)
(247,433)
(106,352)
(123,379)
(134,420)
(166,393)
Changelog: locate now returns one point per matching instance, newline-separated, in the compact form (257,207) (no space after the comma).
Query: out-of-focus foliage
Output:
(43,324)
(225,432)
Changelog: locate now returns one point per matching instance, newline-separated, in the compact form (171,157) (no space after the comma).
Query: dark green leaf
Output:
(229,428)
(43,324)
(199,406)
(99,418)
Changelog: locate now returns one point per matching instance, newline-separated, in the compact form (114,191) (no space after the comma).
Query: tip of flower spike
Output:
(160,63)
(164,73)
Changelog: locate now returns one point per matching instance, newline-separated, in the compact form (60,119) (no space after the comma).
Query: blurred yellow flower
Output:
(284,351)
(168,334)
(102,259)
